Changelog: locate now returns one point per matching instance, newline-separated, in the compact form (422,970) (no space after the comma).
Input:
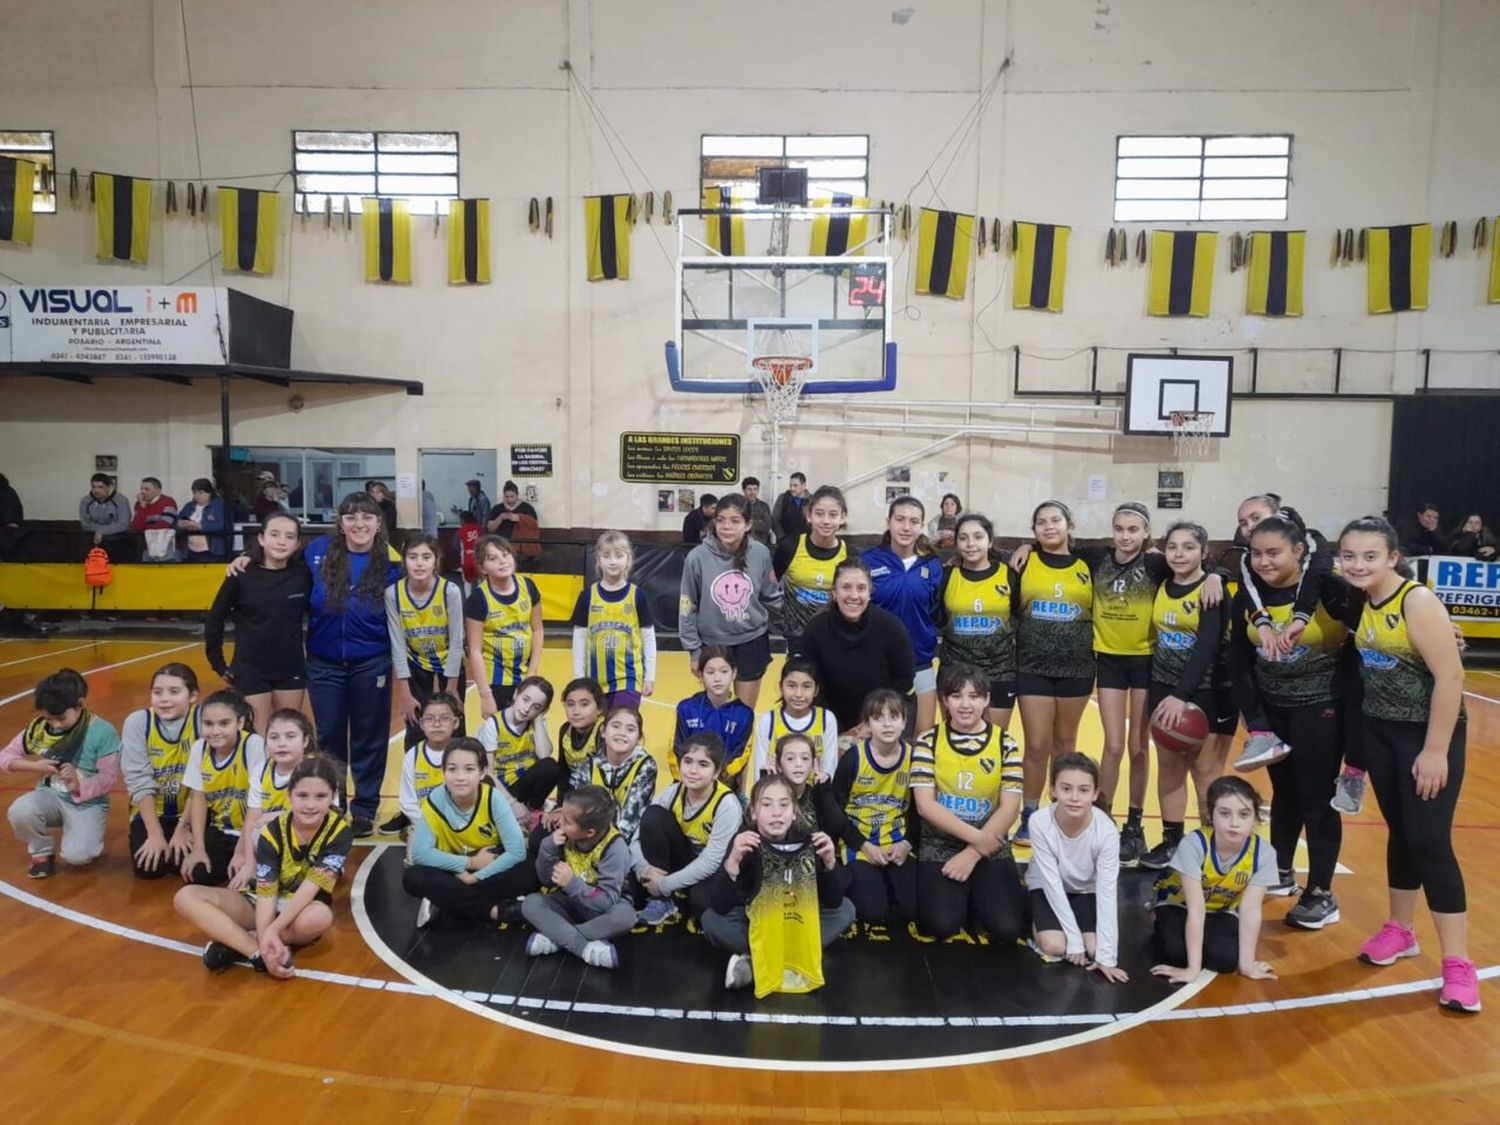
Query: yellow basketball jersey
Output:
(817,726)
(878,798)
(615,646)
(226,786)
(275,796)
(621,788)
(515,752)
(786,939)
(978,626)
(807,583)
(425,625)
(968,781)
(169,758)
(585,864)
(1306,674)
(292,862)
(507,632)
(699,826)
(474,835)
(1123,597)
(1223,887)
(575,751)
(1398,684)
(1175,621)
(427,771)
(1055,635)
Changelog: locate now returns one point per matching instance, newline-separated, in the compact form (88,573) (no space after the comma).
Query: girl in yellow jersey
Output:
(519,747)
(614,631)
(289,739)
(1414,738)
(873,786)
(1054,646)
(966,781)
(578,734)
(502,626)
(468,854)
(623,768)
(154,746)
(422,765)
(217,780)
(1187,641)
(1293,705)
(685,833)
(424,614)
(805,563)
(977,612)
(299,858)
(797,714)
(1208,906)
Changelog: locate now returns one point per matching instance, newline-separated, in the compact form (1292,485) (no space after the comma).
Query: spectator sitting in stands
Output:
(203,520)
(1423,537)
(156,518)
(1473,539)
(105,514)
(696,523)
(268,503)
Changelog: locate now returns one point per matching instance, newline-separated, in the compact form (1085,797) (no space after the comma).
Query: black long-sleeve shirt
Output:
(728,893)
(856,657)
(267,608)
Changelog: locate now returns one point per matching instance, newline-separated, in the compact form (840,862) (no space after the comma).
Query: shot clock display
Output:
(867,286)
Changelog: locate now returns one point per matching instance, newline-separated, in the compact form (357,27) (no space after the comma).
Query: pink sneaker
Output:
(1393,942)
(1460,985)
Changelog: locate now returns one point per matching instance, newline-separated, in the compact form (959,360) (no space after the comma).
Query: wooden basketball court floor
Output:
(108,1016)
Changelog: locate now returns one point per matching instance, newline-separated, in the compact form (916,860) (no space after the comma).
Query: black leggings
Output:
(993,893)
(469,901)
(1419,848)
(873,890)
(220,848)
(1221,938)
(138,837)
(665,846)
(536,781)
(1302,785)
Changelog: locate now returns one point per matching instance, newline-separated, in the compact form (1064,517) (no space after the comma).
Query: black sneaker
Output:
(1314,910)
(42,867)
(1159,858)
(217,957)
(395,825)
(1132,845)
(363,826)
(1285,886)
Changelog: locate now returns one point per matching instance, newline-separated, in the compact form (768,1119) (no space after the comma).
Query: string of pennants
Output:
(1181,263)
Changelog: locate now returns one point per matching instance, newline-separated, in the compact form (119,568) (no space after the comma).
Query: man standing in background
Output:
(105,514)
(479,503)
(760,511)
(788,514)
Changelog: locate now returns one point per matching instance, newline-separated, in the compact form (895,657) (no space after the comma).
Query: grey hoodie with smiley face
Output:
(721,604)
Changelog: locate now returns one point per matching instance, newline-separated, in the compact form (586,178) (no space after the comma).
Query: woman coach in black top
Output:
(267,604)
(857,648)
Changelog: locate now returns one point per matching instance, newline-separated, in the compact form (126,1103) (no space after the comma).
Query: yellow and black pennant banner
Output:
(1276,258)
(724,233)
(1495,265)
(122,217)
(388,240)
(944,239)
(17,189)
(469,242)
(1041,266)
(247,224)
(606,226)
(1182,272)
(1397,261)
(834,235)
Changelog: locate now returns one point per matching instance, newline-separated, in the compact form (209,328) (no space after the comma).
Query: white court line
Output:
(108,667)
(1482,698)
(52,652)
(473,1000)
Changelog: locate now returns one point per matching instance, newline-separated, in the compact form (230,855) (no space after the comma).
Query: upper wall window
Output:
(35,145)
(1202,177)
(836,165)
(420,167)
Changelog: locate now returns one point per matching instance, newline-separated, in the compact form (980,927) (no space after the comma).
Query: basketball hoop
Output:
(781,377)
(1191,432)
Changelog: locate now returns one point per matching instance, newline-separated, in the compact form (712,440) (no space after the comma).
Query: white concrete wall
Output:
(1390,103)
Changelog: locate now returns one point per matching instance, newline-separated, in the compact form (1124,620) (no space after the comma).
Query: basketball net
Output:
(1191,433)
(781,366)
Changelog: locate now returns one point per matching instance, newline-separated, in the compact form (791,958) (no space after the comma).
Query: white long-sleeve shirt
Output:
(1088,864)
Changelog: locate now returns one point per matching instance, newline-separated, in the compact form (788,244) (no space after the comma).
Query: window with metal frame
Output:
(1202,177)
(39,147)
(836,164)
(419,167)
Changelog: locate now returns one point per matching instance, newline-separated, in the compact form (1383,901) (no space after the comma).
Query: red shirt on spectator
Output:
(160,513)
(468,535)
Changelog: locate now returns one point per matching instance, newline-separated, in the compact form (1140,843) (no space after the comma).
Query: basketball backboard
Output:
(1159,386)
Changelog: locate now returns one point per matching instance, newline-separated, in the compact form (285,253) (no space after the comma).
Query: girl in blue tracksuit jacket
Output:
(349,650)
(908,578)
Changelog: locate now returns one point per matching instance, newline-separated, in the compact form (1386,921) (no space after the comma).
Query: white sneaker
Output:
(540,945)
(425,913)
(739,973)
(601,955)
(1262,748)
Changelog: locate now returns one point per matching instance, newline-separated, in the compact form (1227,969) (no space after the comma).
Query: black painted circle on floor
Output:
(886,1004)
